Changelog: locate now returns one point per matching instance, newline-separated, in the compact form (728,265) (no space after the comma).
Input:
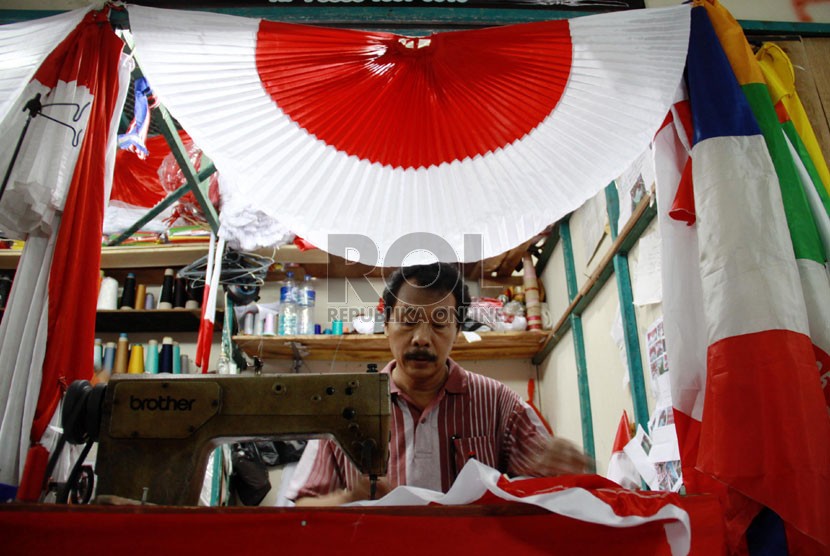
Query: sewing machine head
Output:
(156,432)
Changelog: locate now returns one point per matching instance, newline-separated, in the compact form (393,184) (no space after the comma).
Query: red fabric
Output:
(302,244)
(769,454)
(688,438)
(136,181)
(781,112)
(683,208)
(90,56)
(372,96)
(84,530)
(37,459)
(623,434)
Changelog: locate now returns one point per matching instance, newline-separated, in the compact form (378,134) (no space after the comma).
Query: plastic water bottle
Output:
(288,306)
(307,297)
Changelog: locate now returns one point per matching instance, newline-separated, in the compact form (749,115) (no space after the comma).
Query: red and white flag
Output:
(322,131)
(621,469)
(57,191)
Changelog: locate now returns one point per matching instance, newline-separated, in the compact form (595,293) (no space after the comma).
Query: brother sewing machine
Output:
(155,432)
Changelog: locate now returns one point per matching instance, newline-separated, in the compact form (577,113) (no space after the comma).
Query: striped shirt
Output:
(472,416)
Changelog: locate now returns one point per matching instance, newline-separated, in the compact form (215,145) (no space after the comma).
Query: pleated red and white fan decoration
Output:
(460,145)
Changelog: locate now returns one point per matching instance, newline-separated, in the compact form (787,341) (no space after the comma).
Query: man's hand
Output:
(561,457)
(361,492)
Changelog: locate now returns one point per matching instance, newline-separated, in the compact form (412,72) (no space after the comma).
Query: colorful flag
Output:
(66,170)
(751,415)
(780,78)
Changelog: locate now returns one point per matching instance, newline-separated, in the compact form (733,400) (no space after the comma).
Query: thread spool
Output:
(149,301)
(5,290)
(108,294)
(258,324)
(177,359)
(151,363)
(98,355)
(122,355)
(533,308)
(185,364)
(128,293)
(166,298)
(179,293)
(109,357)
(140,296)
(166,355)
(248,324)
(136,366)
(268,328)
(337,327)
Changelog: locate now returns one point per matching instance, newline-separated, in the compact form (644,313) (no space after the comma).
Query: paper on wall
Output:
(638,450)
(633,185)
(619,339)
(658,363)
(648,284)
(593,216)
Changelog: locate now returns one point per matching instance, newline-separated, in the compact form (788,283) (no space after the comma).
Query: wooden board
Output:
(375,347)
(818,110)
(812,83)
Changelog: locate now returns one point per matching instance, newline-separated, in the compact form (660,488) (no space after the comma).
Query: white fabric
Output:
(23,332)
(621,470)
(815,277)
(476,479)
(43,169)
(683,321)
(738,203)
(22,350)
(626,66)
(24,46)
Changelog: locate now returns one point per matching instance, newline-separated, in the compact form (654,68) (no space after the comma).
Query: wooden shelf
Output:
(154,320)
(375,347)
(172,255)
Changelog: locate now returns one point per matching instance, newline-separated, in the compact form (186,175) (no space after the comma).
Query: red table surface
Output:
(505,529)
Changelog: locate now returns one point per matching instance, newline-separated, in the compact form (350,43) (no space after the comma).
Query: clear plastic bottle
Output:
(306,299)
(288,306)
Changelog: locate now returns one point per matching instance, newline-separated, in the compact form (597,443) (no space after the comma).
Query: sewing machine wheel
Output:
(82,492)
(81,414)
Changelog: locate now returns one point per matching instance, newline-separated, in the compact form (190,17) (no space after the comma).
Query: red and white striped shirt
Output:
(472,416)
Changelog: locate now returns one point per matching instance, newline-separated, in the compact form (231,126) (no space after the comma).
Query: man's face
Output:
(422,331)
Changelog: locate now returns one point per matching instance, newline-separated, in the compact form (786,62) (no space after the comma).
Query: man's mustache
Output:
(420,356)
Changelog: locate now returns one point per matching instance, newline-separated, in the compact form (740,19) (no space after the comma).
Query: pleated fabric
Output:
(457,146)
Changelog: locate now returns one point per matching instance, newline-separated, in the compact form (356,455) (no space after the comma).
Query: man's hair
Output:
(438,277)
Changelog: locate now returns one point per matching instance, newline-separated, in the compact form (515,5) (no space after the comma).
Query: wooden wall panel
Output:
(812,78)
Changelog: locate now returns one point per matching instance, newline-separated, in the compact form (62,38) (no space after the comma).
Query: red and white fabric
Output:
(56,199)
(587,498)
(494,132)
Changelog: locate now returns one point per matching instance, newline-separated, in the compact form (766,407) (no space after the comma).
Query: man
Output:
(442,414)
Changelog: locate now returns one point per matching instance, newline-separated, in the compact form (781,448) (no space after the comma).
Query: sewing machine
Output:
(157,431)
